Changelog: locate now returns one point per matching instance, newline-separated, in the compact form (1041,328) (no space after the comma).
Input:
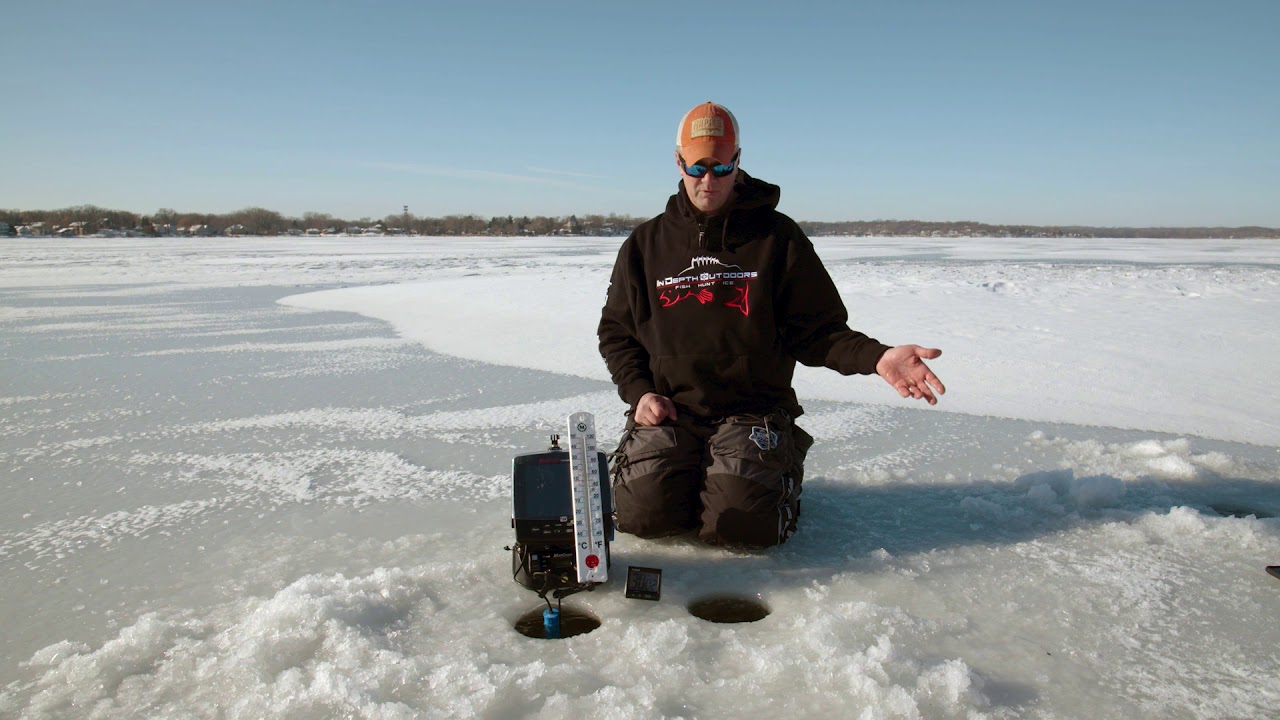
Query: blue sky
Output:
(1102,113)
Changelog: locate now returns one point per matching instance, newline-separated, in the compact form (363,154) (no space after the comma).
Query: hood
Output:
(750,194)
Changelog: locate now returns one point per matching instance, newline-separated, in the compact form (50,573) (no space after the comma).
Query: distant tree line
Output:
(90,219)
(919,228)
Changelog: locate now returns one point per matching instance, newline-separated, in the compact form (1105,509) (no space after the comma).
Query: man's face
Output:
(708,193)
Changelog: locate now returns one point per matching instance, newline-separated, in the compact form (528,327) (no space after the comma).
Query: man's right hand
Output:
(653,409)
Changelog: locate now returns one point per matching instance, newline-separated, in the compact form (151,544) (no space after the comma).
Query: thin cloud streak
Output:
(469,174)
(568,173)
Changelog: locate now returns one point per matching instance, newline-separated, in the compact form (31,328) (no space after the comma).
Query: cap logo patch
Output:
(705,127)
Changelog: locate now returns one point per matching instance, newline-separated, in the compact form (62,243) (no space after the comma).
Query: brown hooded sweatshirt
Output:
(713,312)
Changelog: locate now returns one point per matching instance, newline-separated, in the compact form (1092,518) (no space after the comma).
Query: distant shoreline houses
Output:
(590,226)
(78,229)
(572,226)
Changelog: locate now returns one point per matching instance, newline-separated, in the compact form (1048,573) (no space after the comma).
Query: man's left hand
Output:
(903,367)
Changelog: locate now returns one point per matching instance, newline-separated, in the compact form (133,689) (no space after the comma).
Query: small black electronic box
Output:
(562,513)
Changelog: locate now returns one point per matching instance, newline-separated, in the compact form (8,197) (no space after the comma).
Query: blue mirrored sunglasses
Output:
(697,171)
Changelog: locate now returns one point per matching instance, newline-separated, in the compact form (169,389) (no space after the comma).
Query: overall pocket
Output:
(656,479)
(772,440)
(753,484)
(652,449)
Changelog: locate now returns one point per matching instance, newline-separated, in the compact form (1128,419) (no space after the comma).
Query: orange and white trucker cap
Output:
(707,131)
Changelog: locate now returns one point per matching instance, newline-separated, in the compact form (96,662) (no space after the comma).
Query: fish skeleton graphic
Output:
(704,260)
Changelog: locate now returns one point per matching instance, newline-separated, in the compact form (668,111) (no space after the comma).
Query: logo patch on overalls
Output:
(763,438)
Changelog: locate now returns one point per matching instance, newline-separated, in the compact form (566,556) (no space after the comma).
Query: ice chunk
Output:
(1059,481)
(1097,491)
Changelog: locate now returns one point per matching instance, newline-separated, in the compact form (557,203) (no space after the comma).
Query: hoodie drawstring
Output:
(702,232)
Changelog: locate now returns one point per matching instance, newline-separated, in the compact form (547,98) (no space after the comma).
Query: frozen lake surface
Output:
(268,477)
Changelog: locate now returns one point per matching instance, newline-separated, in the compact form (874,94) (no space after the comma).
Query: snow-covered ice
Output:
(268,477)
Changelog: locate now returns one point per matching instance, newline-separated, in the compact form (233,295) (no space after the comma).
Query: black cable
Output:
(515,570)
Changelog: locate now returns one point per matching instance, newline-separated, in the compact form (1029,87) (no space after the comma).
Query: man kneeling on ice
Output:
(710,306)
